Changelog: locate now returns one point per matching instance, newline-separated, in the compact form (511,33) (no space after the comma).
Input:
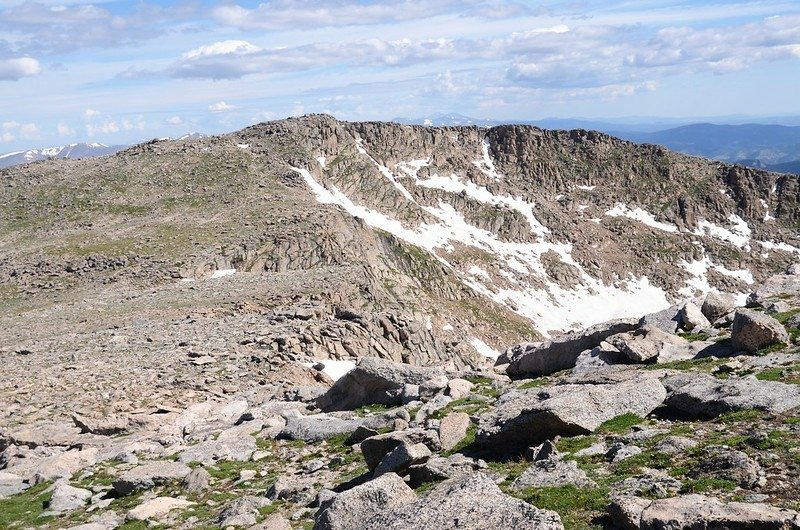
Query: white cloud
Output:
(91,113)
(106,127)
(65,130)
(14,130)
(313,14)
(175,120)
(17,68)
(221,106)
(228,47)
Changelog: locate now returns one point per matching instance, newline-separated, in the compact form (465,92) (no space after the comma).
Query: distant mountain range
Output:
(765,146)
(80,150)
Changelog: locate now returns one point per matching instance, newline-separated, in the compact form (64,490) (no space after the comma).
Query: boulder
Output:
(692,317)
(11,484)
(467,502)
(401,457)
(698,511)
(717,305)
(667,320)
(703,395)
(439,468)
(376,447)
(242,511)
(529,417)
(292,488)
(452,429)
(458,388)
(675,445)
(560,353)
(149,475)
(273,521)
(722,462)
(317,427)
(67,498)
(374,381)
(234,443)
(752,330)
(106,426)
(354,507)
(553,472)
(197,480)
(156,508)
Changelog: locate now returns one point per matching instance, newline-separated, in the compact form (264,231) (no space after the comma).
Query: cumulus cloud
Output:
(221,106)
(175,120)
(65,130)
(312,14)
(14,130)
(19,67)
(91,113)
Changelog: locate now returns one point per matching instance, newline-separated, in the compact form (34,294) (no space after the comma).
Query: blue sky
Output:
(121,72)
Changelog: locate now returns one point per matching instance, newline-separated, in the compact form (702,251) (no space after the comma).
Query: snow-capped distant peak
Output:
(78,150)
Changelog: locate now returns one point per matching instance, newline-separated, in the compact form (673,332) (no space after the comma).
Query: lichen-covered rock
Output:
(752,330)
(698,511)
(469,502)
(524,418)
(354,507)
(704,395)
(374,381)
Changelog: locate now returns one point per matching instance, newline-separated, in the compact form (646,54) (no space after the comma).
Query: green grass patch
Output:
(468,405)
(703,364)
(534,383)
(371,409)
(23,510)
(571,444)
(634,464)
(578,507)
(784,317)
(772,348)
(619,424)
(693,337)
(702,485)
(740,415)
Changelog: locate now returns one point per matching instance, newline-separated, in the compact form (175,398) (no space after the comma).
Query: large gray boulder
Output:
(700,512)
(317,427)
(401,457)
(376,447)
(704,395)
(468,502)
(374,381)
(752,330)
(667,320)
(553,472)
(354,507)
(149,475)
(67,498)
(693,317)
(525,418)
(452,429)
(439,468)
(560,353)
(717,305)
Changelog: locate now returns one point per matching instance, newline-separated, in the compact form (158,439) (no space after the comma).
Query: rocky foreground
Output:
(687,418)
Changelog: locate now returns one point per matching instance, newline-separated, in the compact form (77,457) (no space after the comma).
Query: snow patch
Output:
(243,146)
(221,273)
(698,270)
(485,164)
(484,349)
(771,245)
(333,368)
(738,234)
(477,271)
(447,327)
(644,217)
(585,188)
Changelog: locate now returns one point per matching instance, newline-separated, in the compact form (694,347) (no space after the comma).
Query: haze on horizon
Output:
(119,72)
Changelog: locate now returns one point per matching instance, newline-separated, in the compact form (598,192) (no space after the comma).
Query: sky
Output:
(124,72)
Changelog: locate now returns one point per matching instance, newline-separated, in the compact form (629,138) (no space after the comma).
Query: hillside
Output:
(187,306)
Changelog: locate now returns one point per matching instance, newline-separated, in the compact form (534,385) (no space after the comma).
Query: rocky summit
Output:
(319,324)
